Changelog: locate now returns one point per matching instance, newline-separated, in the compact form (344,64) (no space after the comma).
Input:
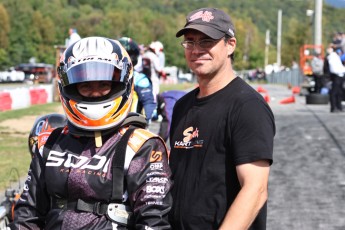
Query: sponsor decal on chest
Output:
(190,139)
(97,165)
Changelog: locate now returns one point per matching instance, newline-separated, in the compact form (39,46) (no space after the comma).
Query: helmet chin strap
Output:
(98,139)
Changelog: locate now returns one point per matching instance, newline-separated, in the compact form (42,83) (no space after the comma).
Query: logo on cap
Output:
(205,16)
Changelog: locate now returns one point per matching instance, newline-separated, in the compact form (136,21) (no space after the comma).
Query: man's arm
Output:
(253,178)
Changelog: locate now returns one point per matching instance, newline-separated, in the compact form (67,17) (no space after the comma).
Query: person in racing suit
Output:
(70,183)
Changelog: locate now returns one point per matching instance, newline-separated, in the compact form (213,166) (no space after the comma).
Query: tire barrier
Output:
(23,97)
(317,99)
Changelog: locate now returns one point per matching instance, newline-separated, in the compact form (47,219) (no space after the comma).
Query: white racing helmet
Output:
(96,59)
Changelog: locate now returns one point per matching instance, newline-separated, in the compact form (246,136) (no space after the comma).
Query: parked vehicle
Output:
(37,72)
(12,75)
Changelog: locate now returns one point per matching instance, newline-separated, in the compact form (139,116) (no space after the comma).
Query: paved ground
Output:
(307,180)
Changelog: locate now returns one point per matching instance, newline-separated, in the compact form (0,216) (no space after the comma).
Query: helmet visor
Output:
(94,71)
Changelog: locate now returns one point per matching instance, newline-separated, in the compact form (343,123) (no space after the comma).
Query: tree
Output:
(296,35)
(5,27)
(250,45)
(4,60)
(146,21)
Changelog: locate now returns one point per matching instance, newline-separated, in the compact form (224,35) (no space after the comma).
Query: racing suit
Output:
(76,169)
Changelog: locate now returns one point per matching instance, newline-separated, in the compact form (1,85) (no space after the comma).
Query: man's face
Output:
(207,61)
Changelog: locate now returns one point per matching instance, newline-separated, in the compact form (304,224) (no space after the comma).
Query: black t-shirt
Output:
(209,137)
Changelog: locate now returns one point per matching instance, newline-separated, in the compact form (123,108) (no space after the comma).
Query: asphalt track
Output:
(307,178)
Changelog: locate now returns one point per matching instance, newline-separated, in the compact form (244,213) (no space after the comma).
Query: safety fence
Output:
(293,77)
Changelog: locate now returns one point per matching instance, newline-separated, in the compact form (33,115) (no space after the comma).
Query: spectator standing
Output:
(317,69)
(294,64)
(73,36)
(336,41)
(342,42)
(139,66)
(102,170)
(155,67)
(161,54)
(337,71)
(221,135)
(142,84)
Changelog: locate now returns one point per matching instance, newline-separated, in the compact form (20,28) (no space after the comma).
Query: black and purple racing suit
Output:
(76,169)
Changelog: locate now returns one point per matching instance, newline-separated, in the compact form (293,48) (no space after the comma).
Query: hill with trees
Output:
(32,28)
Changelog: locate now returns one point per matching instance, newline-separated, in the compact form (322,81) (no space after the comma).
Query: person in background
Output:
(317,69)
(139,66)
(342,42)
(73,36)
(160,53)
(294,64)
(166,101)
(156,70)
(102,170)
(142,84)
(221,135)
(337,71)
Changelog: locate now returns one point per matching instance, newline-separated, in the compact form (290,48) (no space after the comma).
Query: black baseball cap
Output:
(213,22)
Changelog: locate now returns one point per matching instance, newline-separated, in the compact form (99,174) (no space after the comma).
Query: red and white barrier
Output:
(5,101)
(23,97)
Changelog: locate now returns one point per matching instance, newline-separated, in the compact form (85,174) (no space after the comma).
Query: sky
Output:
(336,3)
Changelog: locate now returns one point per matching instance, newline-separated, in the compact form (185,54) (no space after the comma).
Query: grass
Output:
(14,153)
(14,158)
(34,110)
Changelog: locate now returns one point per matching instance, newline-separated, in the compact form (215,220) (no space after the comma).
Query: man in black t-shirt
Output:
(221,135)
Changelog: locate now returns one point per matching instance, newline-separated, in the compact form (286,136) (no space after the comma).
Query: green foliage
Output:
(31,28)
(298,34)
(4,61)
(5,27)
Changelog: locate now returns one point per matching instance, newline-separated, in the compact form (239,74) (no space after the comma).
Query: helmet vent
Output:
(95,111)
